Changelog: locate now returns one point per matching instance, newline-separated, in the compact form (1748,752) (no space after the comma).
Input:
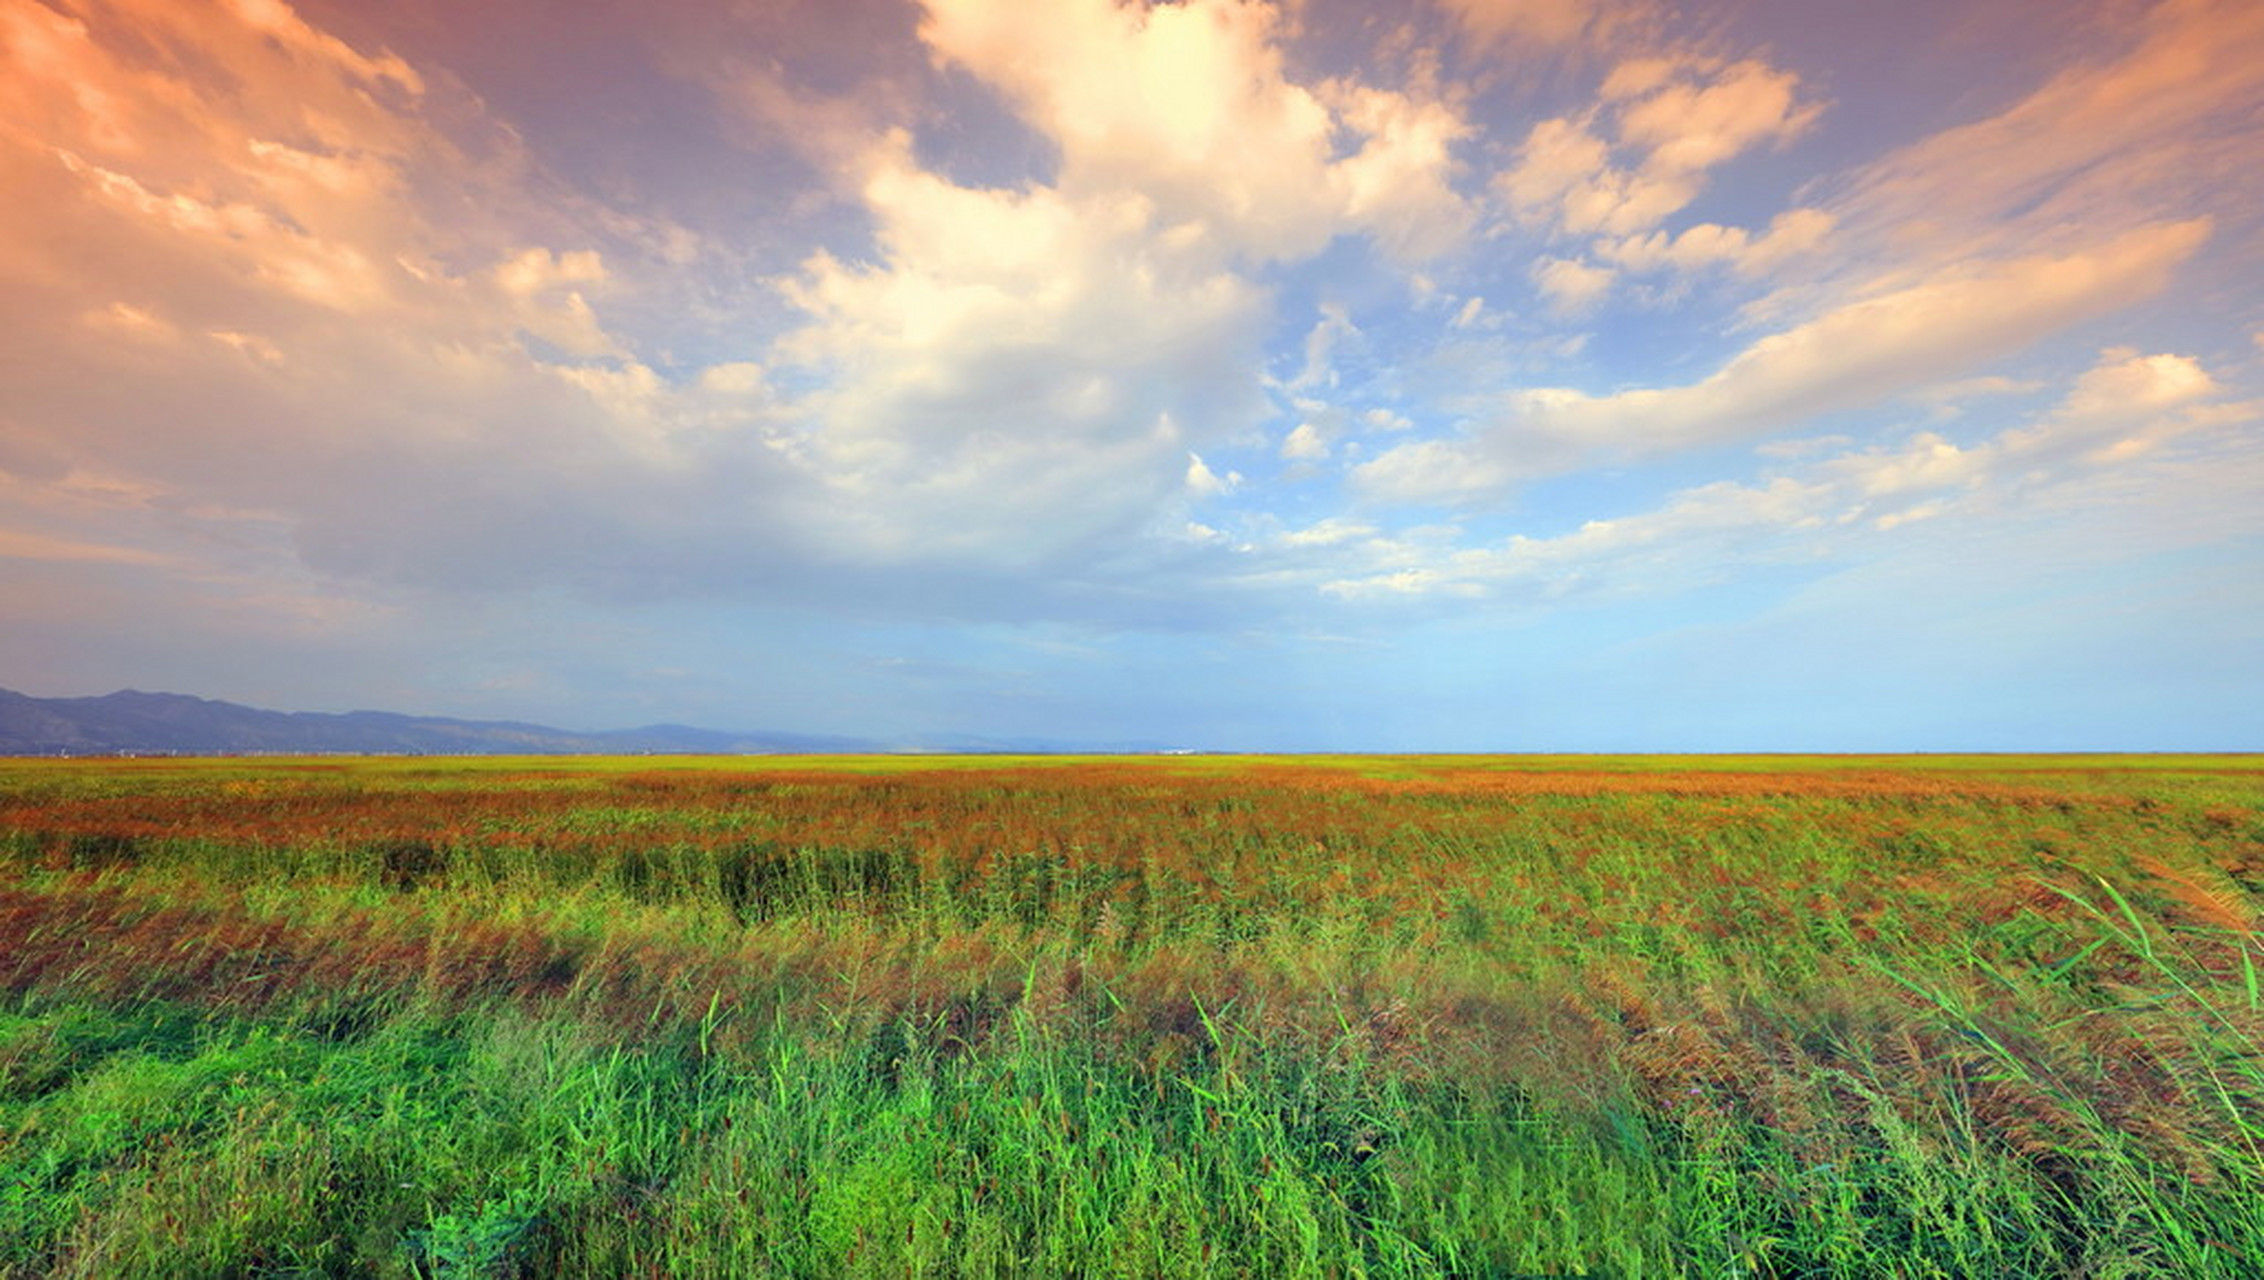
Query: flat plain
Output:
(1294,1016)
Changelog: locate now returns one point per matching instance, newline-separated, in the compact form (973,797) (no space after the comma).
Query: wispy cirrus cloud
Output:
(1546,24)
(1665,123)
(2123,409)
(2160,124)
(1861,353)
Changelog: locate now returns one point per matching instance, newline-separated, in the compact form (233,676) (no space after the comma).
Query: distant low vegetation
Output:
(1197,1016)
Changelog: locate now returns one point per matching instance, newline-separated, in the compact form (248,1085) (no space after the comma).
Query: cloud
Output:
(1304,444)
(1334,531)
(340,330)
(26,544)
(1958,389)
(277,21)
(438,403)
(1334,326)
(1643,152)
(542,292)
(1689,115)
(1014,361)
(2164,129)
(1857,354)
(1564,178)
(1542,23)
(1571,286)
(1609,551)
(1791,233)
(2116,414)
(394,335)
(1191,105)
(2122,408)
(2130,384)
(1206,483)
(1399,185)
(1015,374)
(343,347)
(253,242)
(827,130)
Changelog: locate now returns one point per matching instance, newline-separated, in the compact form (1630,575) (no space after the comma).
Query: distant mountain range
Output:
(133,722)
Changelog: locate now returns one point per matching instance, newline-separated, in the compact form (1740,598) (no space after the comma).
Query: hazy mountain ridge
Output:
(133,721)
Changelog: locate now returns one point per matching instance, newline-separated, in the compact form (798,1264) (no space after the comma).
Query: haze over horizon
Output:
(1548,375)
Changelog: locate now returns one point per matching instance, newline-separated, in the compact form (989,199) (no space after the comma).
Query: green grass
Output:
(1195,1016)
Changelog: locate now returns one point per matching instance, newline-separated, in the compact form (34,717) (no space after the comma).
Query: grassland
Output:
(1766,1016)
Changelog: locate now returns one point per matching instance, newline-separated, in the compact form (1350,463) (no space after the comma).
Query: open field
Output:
(1645,1016)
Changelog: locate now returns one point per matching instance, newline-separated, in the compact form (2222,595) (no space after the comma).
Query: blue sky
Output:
(1456,375)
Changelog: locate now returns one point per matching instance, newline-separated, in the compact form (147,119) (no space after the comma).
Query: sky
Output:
(1457,375)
